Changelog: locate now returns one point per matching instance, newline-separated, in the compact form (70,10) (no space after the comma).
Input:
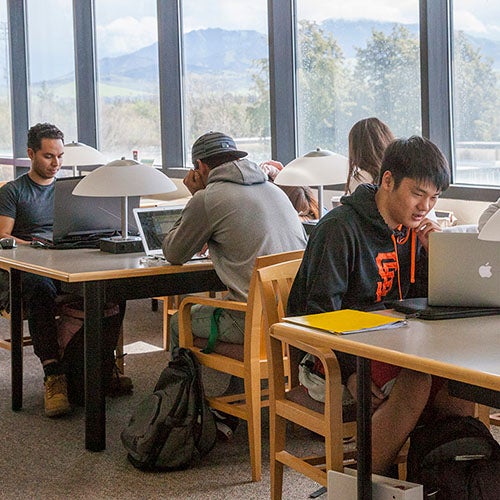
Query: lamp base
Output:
(121,245)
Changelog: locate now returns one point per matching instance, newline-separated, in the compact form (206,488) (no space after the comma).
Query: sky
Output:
(137,18)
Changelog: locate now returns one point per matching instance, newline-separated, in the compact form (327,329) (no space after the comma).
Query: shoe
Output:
(226,424)
(56,396)
(119,385)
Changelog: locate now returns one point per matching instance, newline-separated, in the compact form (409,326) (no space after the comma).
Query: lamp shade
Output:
(491,230)
(79,154)
(124,178)
(317,168)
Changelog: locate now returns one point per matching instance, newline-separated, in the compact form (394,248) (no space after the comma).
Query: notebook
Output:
(347,321)
(80,221)
(153,224)
(463,270)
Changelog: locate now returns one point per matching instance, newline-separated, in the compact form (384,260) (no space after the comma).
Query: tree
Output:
(475,93)
(323,82)
(258,109)
(387,79)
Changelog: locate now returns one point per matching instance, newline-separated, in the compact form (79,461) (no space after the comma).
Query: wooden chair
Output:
(247,361)
(295,405)
(170,307)
(5,343)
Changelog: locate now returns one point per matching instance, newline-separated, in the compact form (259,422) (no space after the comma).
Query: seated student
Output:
(372,249)
(240,216)
(368,139)
(27,210)
(485,216)
(302,197)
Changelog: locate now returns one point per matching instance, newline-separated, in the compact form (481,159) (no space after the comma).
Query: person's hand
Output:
(378,397)
(194,181)
(426,227)
(204,251)
(271,168)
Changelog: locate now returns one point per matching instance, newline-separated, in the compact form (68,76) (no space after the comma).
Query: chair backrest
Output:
(275,282)
(255,319)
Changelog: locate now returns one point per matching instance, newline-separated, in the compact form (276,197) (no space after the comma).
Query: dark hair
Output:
(42,131)
(416,158)
(368,139)
(220,158)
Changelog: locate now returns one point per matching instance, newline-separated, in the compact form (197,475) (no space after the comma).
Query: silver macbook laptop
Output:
(154,223)
(463,270)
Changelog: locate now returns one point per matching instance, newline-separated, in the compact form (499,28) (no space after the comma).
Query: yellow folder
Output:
(346,321)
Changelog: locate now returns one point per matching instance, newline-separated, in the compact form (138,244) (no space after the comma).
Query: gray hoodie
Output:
(241,216)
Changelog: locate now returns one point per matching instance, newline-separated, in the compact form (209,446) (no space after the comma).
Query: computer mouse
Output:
(8,243)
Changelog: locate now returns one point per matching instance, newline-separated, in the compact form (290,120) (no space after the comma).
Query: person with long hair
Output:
(302,197)
(368,139)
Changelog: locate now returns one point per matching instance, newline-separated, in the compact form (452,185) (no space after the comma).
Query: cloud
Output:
(467,21)
(404,11)
(227,14)
(125,35)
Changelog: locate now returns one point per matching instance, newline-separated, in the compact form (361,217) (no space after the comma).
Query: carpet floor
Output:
(45,458)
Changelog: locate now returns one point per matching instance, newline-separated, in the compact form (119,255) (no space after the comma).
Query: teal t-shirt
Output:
(30,205)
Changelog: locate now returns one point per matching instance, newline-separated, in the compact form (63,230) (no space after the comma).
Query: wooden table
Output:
(99,277)
(465,350)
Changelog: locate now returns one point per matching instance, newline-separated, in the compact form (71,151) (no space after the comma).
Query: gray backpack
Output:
(174,425)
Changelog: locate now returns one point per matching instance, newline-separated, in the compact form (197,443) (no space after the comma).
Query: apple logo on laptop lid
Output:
(485,270)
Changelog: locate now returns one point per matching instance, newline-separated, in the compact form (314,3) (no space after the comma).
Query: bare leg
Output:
(396,417)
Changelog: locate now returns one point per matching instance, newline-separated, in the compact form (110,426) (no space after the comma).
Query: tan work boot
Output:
(56,396)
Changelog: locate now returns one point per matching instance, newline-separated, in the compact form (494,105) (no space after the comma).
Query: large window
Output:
(226,85)
(51,64)
(356,59)
(476,91)
(6,172)
(128,89)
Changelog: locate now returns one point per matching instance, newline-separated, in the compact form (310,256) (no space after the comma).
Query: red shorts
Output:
(384,372)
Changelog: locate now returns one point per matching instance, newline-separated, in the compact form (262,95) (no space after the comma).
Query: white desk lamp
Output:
(491,230)
(317,168)
(77,154)
(123,178)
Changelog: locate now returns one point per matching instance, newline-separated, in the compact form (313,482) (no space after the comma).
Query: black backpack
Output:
(174,425)
(456,457)
(73,359)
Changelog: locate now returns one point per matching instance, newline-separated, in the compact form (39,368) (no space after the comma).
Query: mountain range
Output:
(234,52)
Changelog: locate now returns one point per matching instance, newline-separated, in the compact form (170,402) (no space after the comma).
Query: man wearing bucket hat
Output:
(240,216)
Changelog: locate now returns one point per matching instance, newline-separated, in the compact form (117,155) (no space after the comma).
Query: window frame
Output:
(436,65)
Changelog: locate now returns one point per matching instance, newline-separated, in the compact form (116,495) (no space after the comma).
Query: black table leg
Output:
(16,336)
(364,426)
(95,404)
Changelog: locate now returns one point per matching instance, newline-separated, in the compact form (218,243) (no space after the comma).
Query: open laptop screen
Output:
(154,223)
(87,215)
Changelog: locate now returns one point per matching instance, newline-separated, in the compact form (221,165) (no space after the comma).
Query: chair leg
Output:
(253,402)
(483,414)
(277,433)
(166,323)
(119,352)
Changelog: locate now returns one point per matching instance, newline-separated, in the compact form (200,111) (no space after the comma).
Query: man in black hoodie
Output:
(370,250)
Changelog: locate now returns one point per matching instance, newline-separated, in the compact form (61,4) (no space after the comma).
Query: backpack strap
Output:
(214,331)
